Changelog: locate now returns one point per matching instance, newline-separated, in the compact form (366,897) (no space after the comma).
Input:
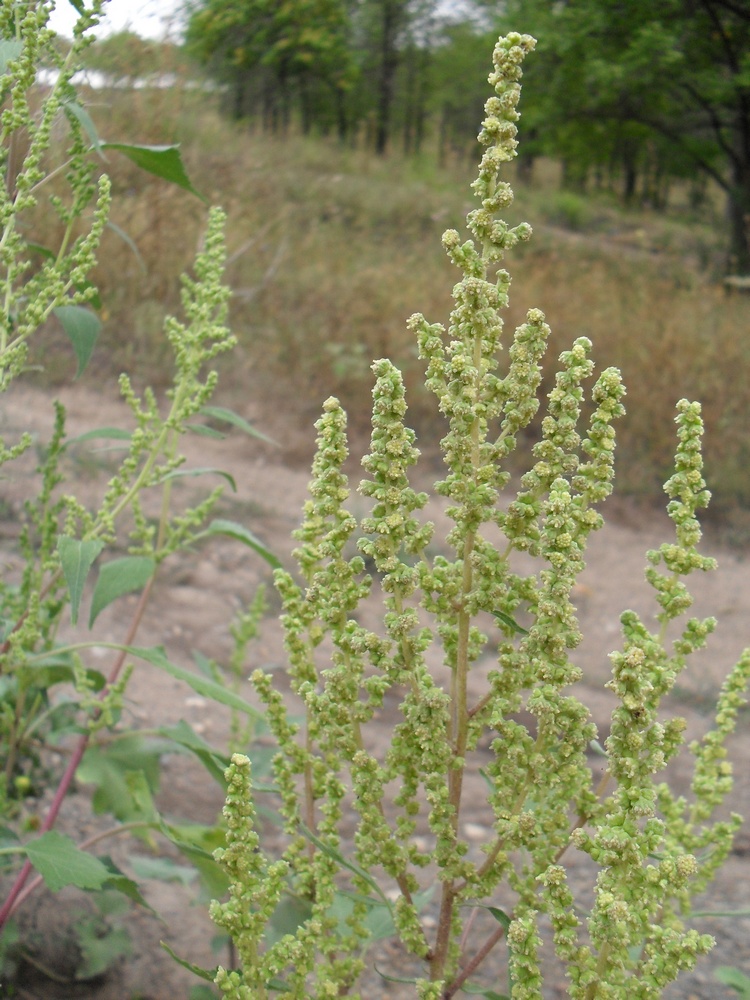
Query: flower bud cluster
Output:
(460,599)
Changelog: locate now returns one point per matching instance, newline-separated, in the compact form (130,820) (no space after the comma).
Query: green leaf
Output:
(290,913)
(501,916)
(207,667)
(473,989)
(510,623)
(241,534)
(128,242)
(197,970)
(82,327)
(197,844)
(352,866)
(10,49)
(74,110)
(100,947)
(108,433)
(59,670)
(379,918)
(118,577)
(163,869)
(201,685)
(125,772)
(120,882)
(93,300)
(214,762)
(42,251)
(61,863)
(201,992)
(162,161)
(181,473)
(735,979)
(230,417)
(203,431)
(392,979)
(77,558)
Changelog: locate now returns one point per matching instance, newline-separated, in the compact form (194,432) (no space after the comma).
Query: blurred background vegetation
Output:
(340,135)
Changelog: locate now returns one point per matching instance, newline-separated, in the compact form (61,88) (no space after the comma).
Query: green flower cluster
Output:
(369,834)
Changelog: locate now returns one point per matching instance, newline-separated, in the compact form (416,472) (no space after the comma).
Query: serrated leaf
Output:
(124,885)
(162,161)
(61,863)
(77,558)
(82,327)
(241,534)
(230,417)
(201,685)
(118,577)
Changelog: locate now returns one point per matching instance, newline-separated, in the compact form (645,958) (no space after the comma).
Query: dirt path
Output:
(191,609)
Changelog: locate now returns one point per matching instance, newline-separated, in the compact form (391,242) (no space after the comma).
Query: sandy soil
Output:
(190,610)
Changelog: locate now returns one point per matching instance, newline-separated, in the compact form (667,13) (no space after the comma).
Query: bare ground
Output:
(191,609)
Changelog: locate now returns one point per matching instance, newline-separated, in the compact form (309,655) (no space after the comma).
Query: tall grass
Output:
(331,250)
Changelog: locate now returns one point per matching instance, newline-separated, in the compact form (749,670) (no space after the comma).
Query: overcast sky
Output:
(151,18)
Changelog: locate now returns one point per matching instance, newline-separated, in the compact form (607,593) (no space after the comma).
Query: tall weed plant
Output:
(309,315)
(61,718)
(302,920)
(374,841)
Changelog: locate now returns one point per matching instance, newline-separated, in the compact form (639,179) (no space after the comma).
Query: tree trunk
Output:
(391,9)
(738,210)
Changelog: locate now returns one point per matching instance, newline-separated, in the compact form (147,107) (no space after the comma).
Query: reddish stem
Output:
(467,970)
(75,759)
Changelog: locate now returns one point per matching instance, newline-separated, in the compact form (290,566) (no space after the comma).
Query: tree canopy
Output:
(633,94)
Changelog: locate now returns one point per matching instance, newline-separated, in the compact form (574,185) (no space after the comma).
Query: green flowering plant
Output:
(61,717)
(369,836)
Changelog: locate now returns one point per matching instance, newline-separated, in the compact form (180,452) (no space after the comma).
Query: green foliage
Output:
(735,979)
(60,719)
(653,92)
(302,919)
(285,53)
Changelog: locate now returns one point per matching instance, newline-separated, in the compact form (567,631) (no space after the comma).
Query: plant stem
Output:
(474,964)
(63,787)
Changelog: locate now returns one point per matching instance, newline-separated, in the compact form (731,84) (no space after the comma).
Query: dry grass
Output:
(331,250)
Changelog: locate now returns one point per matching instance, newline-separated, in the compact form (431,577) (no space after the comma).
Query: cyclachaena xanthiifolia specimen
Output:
(373,841)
